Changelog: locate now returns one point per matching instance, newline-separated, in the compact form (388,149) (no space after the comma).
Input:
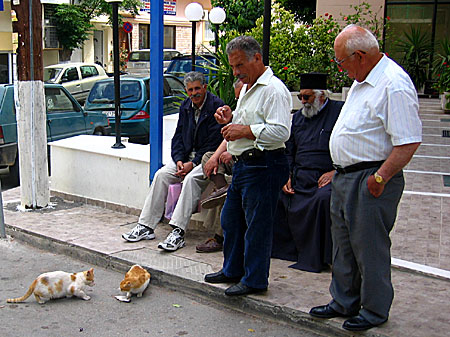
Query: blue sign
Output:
(1,6)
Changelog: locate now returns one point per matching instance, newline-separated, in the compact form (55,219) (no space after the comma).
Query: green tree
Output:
(241,15)
(304,11)
(73,22)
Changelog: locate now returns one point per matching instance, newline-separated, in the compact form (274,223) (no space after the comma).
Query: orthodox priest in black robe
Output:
(302,233)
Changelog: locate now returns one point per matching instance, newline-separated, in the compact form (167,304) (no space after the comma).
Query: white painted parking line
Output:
(421,268)
(434,145)
(428,194)
(429,157)
(427,172)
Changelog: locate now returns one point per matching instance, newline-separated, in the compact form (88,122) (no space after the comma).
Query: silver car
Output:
(77,78)
(139,60)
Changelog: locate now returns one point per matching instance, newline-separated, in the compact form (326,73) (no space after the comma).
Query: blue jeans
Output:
(248,217)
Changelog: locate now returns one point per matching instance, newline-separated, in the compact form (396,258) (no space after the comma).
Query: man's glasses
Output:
(339,62)
(305,97)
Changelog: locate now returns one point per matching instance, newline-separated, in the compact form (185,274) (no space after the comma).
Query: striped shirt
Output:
(266,107)
(379,113)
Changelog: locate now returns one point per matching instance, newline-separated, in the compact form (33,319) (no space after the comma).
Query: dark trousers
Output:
(360,231)
(248,215)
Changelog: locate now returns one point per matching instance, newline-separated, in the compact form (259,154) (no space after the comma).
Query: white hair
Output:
(360,39)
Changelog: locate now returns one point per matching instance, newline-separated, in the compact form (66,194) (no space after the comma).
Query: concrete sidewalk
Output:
(421,304)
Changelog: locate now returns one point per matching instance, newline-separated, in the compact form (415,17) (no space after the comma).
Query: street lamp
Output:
(217,16)
(115,7)
(194,13)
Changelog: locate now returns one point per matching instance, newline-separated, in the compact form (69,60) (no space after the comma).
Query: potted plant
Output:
(442,72)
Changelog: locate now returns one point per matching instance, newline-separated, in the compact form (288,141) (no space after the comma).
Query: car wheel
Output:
(14,172)
(99,132)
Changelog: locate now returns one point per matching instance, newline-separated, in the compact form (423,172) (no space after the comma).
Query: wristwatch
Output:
(379,179)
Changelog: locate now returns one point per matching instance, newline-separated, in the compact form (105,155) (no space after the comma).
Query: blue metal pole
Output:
(156,85)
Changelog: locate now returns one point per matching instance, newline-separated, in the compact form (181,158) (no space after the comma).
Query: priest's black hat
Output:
(313,81)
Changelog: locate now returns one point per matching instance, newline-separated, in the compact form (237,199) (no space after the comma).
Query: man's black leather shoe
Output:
(358,323)
(326,311)
(241,289)
(220,277)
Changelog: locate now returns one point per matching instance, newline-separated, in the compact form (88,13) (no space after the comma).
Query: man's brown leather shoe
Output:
(211,245)
(216,198)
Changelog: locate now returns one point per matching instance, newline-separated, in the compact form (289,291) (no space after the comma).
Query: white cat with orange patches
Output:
(135,282)
(58,284)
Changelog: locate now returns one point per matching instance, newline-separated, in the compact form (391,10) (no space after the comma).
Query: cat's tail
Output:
(24,297)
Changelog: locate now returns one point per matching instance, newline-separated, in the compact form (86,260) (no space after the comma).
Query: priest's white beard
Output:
(310,110)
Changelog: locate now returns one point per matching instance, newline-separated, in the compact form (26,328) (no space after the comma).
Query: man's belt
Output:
(358,166)
(255,153)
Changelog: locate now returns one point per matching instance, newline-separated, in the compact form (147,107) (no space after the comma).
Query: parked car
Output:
(181,65)
(65,118)
(134,102)
(78,78)
(139,60)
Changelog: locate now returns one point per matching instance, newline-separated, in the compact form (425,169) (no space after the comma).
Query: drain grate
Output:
(445,133)
(446,181)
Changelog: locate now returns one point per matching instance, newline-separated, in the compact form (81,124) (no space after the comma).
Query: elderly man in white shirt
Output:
(375,136)
(255,134)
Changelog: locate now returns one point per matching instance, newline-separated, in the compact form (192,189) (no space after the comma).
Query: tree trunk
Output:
(30,112)
(65,54)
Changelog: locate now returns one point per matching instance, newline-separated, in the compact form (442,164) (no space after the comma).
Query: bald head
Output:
(356,51)
(354,38)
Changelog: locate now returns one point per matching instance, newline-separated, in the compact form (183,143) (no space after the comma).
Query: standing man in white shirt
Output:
(375,136)
(255,132)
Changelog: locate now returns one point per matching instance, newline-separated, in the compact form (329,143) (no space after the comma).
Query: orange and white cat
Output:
(135,282)
(58,284)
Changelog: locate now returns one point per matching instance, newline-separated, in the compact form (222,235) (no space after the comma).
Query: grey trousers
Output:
(193,185)
(361,223)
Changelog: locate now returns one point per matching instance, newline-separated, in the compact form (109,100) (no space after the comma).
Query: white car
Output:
(77,78)
(139,60)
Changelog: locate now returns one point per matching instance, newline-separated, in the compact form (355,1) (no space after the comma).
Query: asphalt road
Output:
(160,312)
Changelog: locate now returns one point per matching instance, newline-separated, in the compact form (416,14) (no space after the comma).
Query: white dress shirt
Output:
(379,113)
(266,107)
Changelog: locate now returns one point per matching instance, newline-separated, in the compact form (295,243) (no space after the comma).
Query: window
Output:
(56,100)
(169,37)
(71,74)
(50,37)
(88,71)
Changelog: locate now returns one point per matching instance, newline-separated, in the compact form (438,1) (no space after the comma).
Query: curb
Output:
(249,304)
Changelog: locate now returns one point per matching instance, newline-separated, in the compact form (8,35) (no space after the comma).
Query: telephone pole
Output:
(30,105)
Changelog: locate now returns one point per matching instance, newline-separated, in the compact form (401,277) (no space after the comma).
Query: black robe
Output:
(302,232)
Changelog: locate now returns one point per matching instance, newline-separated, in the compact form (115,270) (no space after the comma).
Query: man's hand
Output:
(223,115)
(375,188)
(288,188)
(211,166)
(237,131)
(325,179)
(184,168)
(225,158)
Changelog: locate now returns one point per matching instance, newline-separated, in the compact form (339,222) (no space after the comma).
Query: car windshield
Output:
(137,56)
(50,74)
(103,92)
(184,65)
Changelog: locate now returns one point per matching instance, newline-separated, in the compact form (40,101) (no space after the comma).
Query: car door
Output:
(65,118)
(89,75)
(70,79)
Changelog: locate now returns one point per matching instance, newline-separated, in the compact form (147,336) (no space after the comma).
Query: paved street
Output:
(160,312)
